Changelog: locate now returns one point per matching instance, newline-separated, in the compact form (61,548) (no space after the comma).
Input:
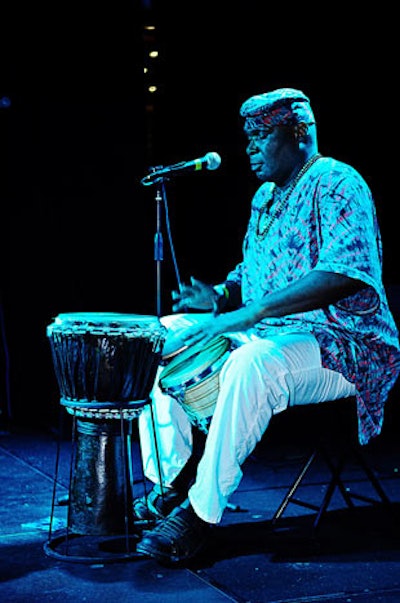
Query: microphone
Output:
(210,161)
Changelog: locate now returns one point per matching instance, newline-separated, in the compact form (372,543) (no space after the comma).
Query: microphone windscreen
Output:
(213,161)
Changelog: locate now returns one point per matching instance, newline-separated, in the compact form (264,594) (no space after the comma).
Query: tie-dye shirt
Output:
(329,224)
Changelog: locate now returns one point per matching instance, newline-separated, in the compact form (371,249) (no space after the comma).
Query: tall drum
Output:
(105,364)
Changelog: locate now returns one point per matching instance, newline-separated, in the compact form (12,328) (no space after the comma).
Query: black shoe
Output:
(158,504)
(177,538)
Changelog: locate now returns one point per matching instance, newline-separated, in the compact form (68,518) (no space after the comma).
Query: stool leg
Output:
(293,487)
(372,478)
(335,482)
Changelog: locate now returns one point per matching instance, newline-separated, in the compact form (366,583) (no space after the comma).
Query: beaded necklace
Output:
(282,202)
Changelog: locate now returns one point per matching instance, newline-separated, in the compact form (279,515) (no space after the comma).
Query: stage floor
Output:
(353,558)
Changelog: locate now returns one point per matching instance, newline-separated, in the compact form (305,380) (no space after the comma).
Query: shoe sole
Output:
(164,559)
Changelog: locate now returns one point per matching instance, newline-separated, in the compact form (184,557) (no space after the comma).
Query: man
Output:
(305,308)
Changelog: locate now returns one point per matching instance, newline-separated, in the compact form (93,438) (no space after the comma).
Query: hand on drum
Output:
(241,319)
(201,333)
(223,324)
(197,295)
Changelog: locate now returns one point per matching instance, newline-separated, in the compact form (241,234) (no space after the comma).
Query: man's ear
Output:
(300,131)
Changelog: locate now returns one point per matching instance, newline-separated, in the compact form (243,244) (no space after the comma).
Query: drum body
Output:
(192,378)
(106,365)
(104,361)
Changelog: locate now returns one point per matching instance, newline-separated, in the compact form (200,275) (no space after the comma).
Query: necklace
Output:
(283,200)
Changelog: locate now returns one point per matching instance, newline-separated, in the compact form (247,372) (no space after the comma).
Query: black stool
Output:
(337,447)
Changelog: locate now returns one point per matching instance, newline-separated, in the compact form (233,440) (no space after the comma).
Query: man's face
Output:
(271,152)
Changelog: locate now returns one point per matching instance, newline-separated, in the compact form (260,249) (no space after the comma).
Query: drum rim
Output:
(112,316)
(173,354)
(105,323)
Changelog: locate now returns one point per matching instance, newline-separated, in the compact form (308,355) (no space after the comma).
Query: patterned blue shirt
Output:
(329,224)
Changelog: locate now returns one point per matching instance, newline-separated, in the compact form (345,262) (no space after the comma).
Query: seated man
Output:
(305,309)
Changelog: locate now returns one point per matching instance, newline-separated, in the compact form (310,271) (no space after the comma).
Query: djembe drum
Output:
(191,376)
(105,365)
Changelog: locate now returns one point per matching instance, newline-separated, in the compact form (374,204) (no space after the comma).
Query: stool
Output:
(105,364)
(336,454)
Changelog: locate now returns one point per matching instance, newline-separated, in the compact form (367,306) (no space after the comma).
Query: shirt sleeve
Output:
(350,242)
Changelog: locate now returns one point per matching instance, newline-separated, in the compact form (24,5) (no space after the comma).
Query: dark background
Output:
(82,130)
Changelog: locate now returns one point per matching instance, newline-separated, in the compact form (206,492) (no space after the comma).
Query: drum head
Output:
(193,361)
(104,322)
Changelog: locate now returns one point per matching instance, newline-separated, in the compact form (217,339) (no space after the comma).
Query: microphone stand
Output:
(158,175)
(161,197)
(159,245)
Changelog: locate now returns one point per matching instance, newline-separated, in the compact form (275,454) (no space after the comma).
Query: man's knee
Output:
(249,356)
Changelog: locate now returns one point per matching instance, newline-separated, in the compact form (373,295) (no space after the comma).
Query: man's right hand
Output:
(197,295)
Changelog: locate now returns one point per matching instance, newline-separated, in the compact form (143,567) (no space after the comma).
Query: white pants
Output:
(260,378)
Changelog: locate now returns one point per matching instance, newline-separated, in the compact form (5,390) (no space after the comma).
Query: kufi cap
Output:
(284,106)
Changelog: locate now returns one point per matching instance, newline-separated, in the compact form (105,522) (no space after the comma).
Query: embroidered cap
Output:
(281,107)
